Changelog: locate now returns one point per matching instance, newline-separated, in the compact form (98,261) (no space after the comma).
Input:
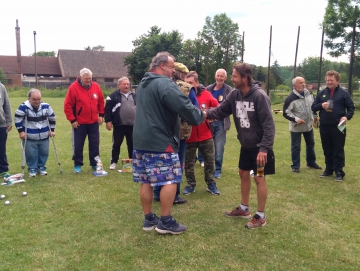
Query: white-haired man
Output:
(120,114)
(220,91)
(297,109)
(84,108)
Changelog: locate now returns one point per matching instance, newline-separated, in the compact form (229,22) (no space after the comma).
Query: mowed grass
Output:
(81,222)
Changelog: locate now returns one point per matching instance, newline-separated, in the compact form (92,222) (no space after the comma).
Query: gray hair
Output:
(122,79)
(85,71)
(221,70)
(294,80)
(162,57)
(33,90)
(179,75)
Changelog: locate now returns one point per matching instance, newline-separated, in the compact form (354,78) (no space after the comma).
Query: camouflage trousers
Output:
(206,148)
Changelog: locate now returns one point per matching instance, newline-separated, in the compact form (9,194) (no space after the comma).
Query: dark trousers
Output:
(333,142)
(119,133)
(79,136)
(296,147)
(4,166)
(206,148)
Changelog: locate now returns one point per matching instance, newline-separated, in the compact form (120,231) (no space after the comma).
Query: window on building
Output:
(9,81)
(109,80)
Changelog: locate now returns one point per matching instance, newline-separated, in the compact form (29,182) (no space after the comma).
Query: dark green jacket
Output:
(159,103)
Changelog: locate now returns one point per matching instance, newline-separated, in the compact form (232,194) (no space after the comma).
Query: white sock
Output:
(244,207)
(261,214)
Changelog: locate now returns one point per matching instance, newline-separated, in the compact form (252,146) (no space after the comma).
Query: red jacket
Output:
(202,132)
(84,105)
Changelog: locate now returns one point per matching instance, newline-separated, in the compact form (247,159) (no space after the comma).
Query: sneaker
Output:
(202,164)
(77,169)
(179,200)
(32,172)
(256,222)
(217,175)
(94,167)
(296,170)
(171,227)
(238,212)
(149,225)
(189,189)
(42,171)
(213,189)
(326,173)
(314,166)
(5,174)
(112,166)
(339,177)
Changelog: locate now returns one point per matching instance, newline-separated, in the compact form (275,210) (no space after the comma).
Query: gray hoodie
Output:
(252,117)
(159,103)
(5,109)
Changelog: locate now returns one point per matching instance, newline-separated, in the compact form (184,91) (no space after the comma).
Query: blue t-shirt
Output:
(218,94)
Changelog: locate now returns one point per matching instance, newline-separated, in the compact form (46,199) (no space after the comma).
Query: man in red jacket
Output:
(200,138)
(84,108)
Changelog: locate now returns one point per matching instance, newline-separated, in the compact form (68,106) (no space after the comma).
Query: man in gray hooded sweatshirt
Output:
(250,107)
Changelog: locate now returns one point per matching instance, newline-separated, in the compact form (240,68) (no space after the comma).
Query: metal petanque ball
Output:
(2,196)
(24,194)
(7,202)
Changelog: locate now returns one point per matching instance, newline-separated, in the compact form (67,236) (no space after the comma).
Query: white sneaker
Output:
(112,166)
(202,164)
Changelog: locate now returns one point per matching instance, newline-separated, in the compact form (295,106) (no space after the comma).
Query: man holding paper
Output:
(333,122)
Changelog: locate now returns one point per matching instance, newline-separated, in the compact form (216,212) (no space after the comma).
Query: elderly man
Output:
(250,107)
(333,138)
(185,129)
(120,114)
(5,127)
(84,108)
(220,91)
(159,103)
(297,109)
(32,120)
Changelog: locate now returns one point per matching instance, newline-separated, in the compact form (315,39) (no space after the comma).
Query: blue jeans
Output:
(182,148)
(4,166)
(36,153)
(296,147)
(219,137)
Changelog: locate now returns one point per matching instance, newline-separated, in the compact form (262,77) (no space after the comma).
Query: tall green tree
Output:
(44,53)
(147,46)
(341,26)
(310,68)
(220,44)
(2,77)
(94,48)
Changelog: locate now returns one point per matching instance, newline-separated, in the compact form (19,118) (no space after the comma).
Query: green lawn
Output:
(82,222)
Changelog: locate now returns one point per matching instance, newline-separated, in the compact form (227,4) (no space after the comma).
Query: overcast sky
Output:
(73,24)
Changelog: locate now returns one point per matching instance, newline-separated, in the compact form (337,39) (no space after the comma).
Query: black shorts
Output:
(247,160)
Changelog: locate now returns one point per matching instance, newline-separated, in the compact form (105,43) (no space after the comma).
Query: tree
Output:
(220,44)
(95,48)
(147,46)
(45,53)
(276,72)
(341,26)
(310,68)
(2,77)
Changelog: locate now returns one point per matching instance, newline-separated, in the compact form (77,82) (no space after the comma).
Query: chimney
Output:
(18,48)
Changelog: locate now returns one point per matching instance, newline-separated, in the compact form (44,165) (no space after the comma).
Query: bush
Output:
(283,88)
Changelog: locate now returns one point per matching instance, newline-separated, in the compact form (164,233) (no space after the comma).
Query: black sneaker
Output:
(296,170)
(149,225)
(314,166)
(339,177)
(171,227)
(179,200)
(326,174)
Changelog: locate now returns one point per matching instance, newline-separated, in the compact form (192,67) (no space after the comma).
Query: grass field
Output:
(82,222)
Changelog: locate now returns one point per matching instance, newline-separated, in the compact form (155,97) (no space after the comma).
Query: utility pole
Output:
(36,79)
